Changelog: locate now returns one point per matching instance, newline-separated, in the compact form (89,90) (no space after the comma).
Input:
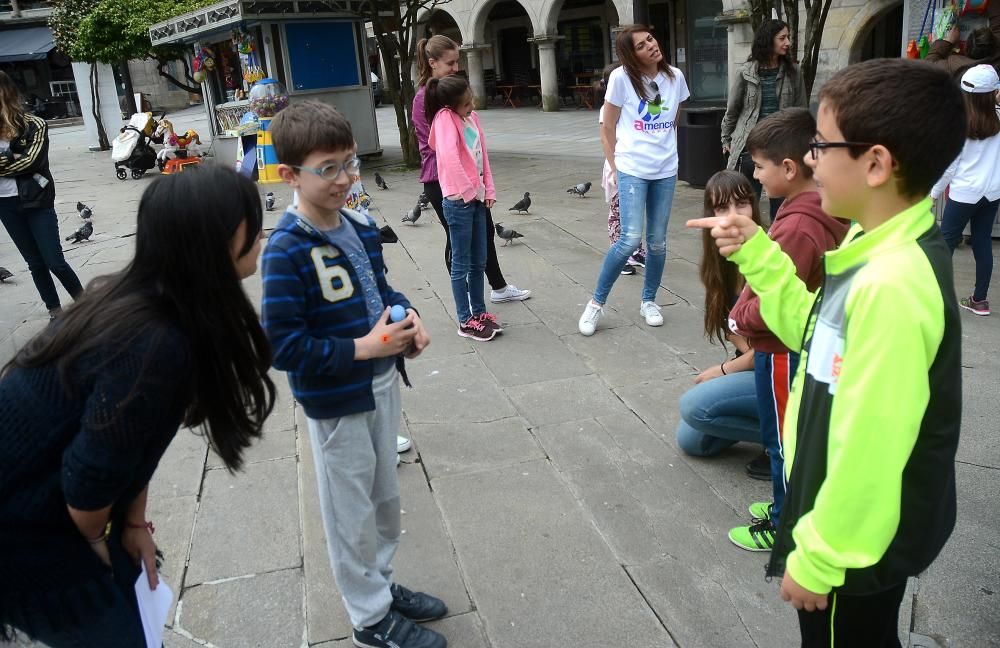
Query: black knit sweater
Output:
(89,443)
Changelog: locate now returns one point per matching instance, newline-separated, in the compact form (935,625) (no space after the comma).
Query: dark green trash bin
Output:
(699,146)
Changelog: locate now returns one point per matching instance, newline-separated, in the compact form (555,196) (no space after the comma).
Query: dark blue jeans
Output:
(980,218)
(35,233)
(773,373)
(467,229)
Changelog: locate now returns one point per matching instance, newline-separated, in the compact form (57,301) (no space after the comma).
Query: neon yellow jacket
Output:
(874,414)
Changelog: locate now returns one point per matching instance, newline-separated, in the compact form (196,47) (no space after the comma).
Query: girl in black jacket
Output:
(27,195)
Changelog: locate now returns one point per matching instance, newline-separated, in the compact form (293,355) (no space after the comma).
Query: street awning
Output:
(27,44)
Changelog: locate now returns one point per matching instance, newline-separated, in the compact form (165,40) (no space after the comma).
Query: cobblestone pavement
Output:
(545,499)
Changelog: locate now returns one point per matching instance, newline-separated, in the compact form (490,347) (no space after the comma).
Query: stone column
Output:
(548,71)
(474,67)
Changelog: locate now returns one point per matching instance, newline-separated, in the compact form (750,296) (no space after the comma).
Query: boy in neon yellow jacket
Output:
(875,409)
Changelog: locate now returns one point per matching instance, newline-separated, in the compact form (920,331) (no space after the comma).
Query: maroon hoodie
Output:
(805,233)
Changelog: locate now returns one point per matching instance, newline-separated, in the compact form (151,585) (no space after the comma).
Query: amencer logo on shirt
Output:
(649,114)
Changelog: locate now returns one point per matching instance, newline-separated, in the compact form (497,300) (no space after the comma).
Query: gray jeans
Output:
(359,497)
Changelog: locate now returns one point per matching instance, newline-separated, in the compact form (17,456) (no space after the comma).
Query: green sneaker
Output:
(761,510)
(759,536)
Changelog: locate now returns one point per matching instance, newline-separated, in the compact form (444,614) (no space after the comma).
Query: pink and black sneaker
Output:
(977,307)
(475,329)
(490,320)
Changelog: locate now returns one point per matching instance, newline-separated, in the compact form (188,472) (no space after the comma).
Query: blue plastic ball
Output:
(398,313)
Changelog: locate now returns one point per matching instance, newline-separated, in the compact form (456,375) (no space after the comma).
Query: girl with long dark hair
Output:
(974,179)
(88,407)
(437,58)
(641,108)
(768,82)
(27,197)
(721,409)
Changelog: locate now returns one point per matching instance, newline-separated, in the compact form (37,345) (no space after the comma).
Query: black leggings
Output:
(870,620)
(493,273)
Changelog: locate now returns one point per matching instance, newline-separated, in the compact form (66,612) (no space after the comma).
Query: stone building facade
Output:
(538,44)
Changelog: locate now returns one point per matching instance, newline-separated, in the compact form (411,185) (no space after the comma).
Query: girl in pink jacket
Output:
(467,184)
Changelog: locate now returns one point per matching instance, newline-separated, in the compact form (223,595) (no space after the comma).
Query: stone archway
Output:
(481,12)
(859,28)
(551,9)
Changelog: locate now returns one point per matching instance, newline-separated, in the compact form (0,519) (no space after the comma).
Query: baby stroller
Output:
(131,150)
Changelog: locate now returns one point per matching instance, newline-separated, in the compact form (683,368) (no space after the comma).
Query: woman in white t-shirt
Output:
(641,108)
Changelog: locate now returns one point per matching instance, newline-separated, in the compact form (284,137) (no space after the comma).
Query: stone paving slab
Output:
(458,388)
(529,559)
(453,449)
(245,521)
(260,611)
(540,356)
(697,610)
(568,399)
(630,354)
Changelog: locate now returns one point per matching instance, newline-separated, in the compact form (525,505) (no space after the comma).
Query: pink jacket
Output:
(456,167)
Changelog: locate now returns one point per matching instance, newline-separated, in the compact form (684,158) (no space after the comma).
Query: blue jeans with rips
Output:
(467,230)
(642,202)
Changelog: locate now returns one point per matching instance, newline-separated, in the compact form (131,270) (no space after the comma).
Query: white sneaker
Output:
(588,321)
(651,312)
(509,293)
(403,444)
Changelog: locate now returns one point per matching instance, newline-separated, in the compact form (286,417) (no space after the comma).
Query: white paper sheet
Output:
(154,606)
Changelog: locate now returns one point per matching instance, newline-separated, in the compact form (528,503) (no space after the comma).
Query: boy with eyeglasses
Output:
(873,420)
(778,146)
(326,311)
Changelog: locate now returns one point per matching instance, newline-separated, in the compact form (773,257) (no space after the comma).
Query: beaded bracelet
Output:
(148,525)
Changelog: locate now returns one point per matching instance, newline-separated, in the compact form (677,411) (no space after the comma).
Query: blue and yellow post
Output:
(267,159)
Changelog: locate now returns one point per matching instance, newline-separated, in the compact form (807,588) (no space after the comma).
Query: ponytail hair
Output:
(444,93)
(431,48)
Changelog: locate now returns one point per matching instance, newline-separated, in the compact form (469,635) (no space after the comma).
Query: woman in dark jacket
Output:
(27,195)
(88,407)
(768,82)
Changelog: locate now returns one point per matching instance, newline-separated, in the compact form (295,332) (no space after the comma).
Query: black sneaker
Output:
(417,606)
(396,631)
(760,467)
(628,270)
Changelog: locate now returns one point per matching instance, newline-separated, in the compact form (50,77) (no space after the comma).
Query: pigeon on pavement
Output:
(523,204)
(269,201)
(380,181)
(5,274)
(507,234)
(580,189)
(413,215)
(424,200)
(84,211)
(82,234)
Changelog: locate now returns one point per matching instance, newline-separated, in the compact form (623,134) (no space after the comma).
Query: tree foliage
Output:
(112,31)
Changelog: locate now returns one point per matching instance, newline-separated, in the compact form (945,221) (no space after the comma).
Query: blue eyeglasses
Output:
(332,171)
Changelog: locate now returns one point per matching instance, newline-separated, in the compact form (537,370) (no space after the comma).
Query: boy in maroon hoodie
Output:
(805,232)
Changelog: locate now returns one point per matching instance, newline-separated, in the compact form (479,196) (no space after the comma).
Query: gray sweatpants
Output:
(359,497)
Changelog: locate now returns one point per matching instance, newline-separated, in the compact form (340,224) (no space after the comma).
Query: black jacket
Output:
(35,187)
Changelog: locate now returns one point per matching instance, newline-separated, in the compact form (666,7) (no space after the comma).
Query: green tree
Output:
(115,32)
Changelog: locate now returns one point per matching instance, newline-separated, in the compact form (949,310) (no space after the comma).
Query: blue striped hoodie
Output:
(314,309)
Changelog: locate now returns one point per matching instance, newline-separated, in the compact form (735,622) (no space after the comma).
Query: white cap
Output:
(980,79)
